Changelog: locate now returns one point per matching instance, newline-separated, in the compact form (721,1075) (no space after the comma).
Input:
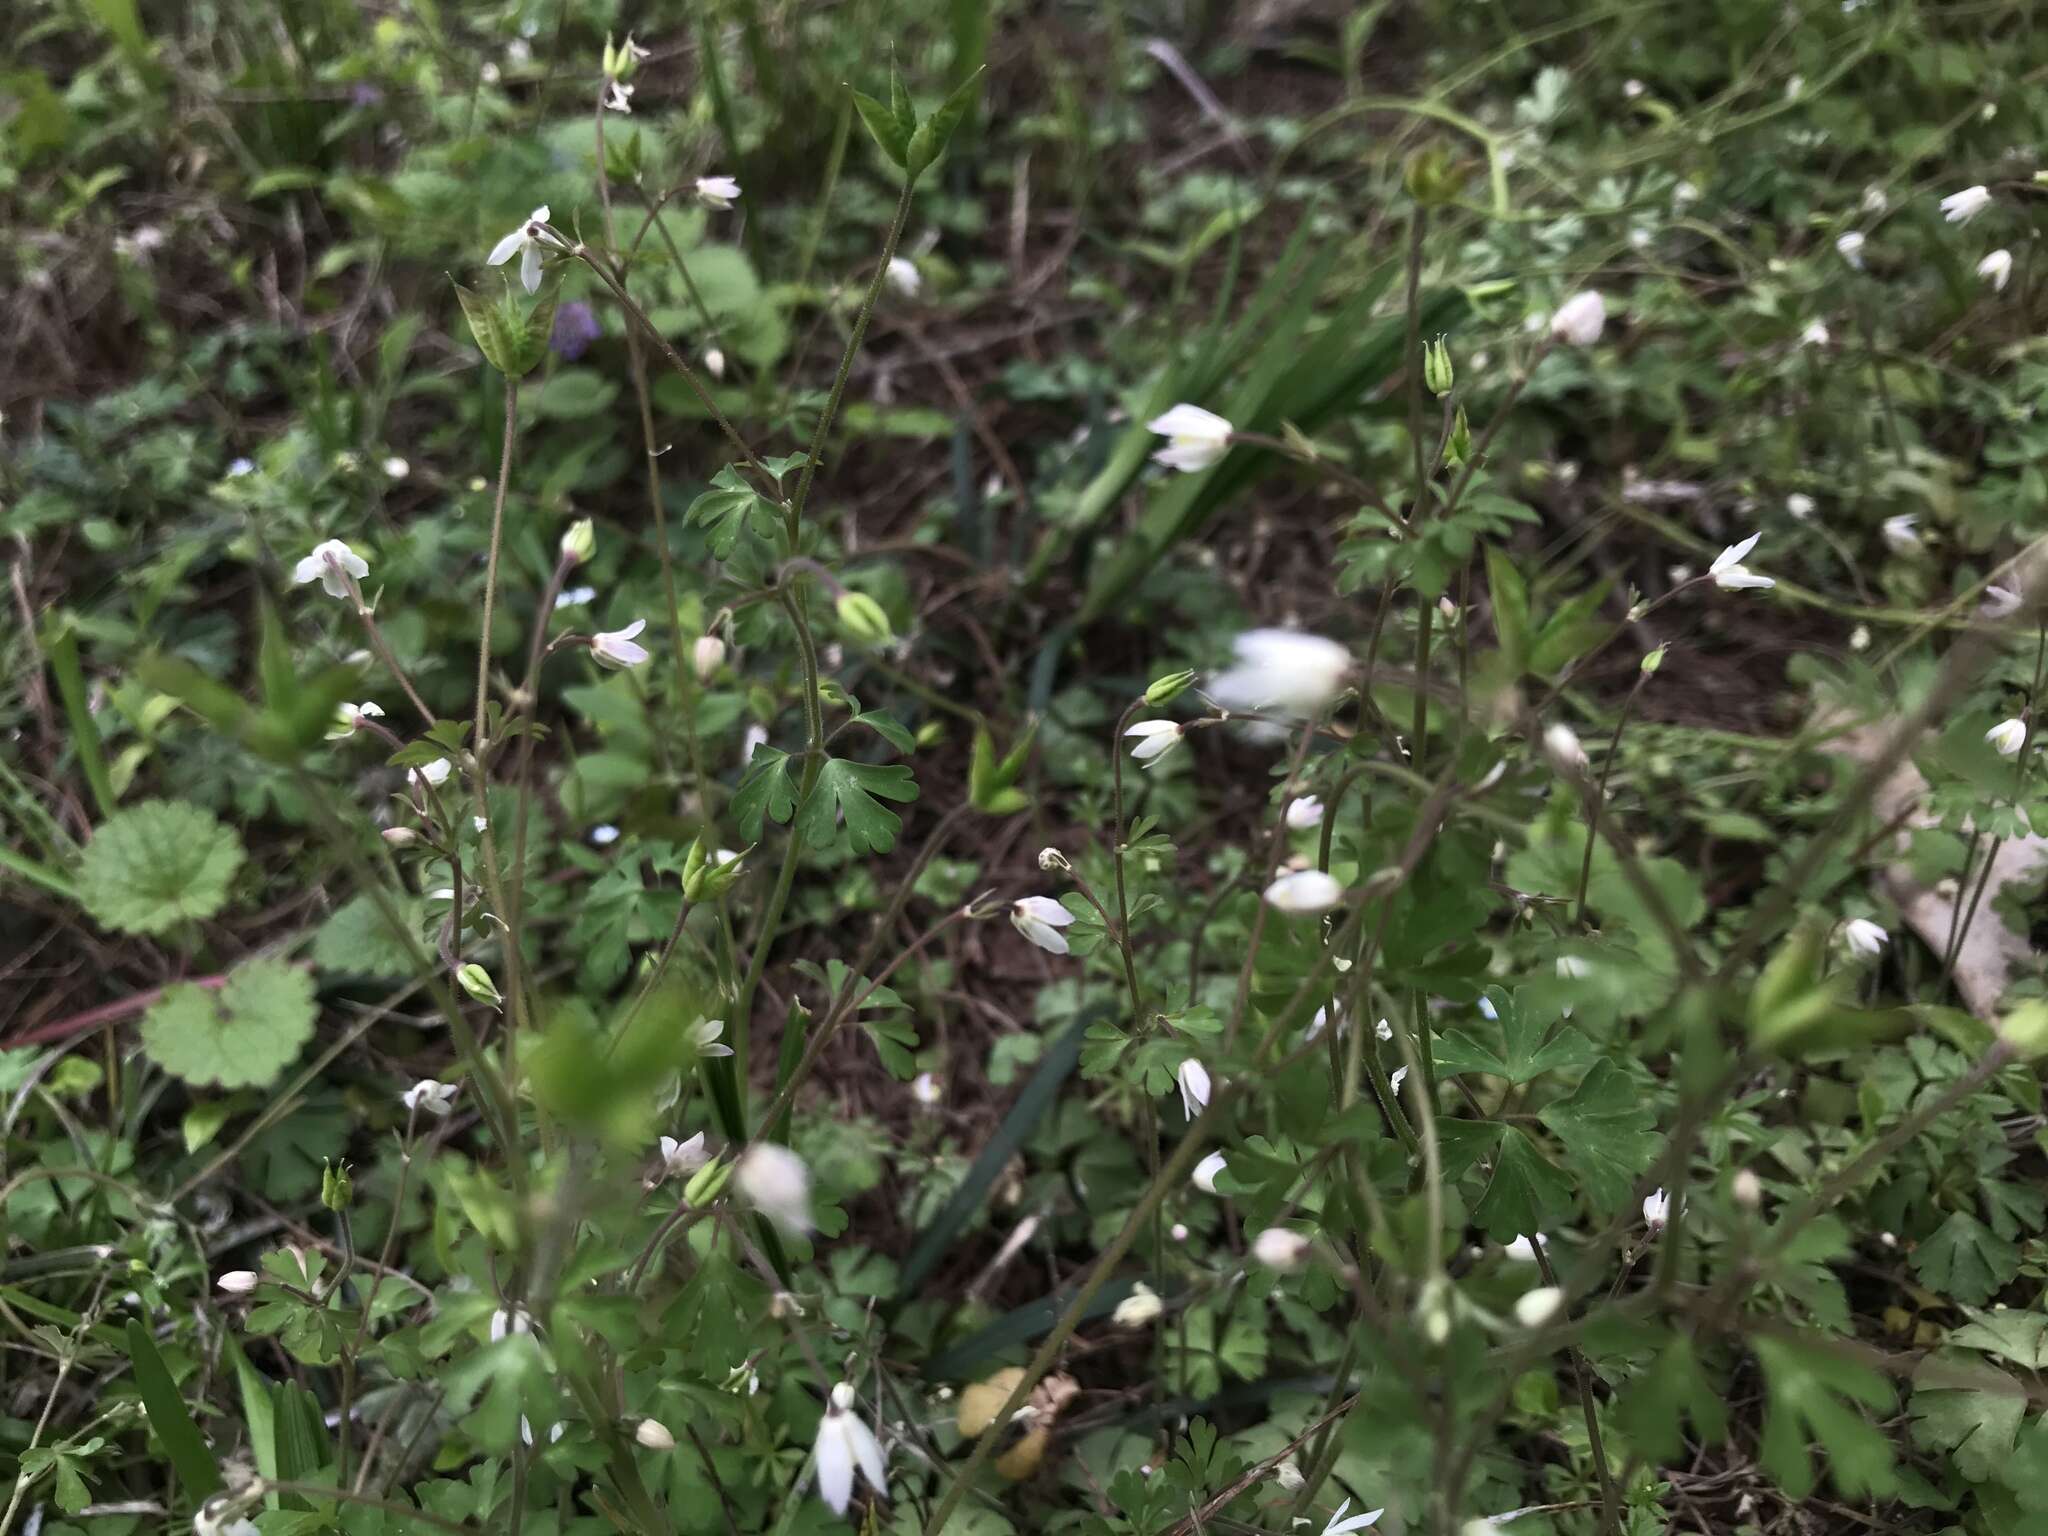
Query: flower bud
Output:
(400,837)
(1164,690)
(1277,1248)
(1459,449)
(864,619)
(705,1184)
(654,1434)
(1561,746)
(1139,1308)
(476,981)
(1747,1189)
(238,1282)
(580,542)
(336,1187)
(1437,373)
(706,657)
(1051,860)
(1535,1308)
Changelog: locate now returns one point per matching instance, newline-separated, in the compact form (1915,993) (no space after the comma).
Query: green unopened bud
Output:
(580,542)
(1459,449)
(1164,690)
(476,981)
(620,62)
(864,619)
(1654,660)
(1434,176)
(2025,1030)
(706,1182)
(709,872)
(1437,372)
(337,1188)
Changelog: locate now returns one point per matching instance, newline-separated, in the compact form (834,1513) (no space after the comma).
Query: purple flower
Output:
(364,94)
(576,328)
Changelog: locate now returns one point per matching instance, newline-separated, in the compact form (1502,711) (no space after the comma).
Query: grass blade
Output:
(62,644)
(169,1417)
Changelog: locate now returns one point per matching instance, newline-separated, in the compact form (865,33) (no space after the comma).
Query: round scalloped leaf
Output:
(356,941)
(239,1037)
(156,864)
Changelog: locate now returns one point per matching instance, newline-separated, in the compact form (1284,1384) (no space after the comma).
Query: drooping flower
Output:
(526,242)
(1580,319)
(1850,247)
(1730,574)
(331,564)
(428,1097)
(1193,1079)
(1139,1308)
(2007,737)
(654,1434)
(1996,269)
(1282,669)
(706,657)
(714,362)
(1341,1526)
(2000,603)
(1865,940)
(778,1184)
(1815,334)
(1902,534)
(1278,1248)
(926,1090)
(238,1282)
(903,276)
(844,1444)
(1523,1249)
(1800,505)
(1305,892)
(1195,438)
(1562,746)
(1400,1076)
(1040,919)
(1535,1308)
(211,1519)
(1656,1210)
(618,97)
(1961,207)
(348,718)
(615,648)
(1304,812)
(679,1158)
(507,1322)
(431,774)
(1156,738)
(1206,1171)
(717,191)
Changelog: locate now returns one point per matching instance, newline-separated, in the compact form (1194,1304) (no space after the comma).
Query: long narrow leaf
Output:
(62,644)
(169,1417)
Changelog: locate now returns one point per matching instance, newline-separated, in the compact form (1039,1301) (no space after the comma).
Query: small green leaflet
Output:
(1606,1130)
(728,511)
(1966,1260)
(764,792)
(1819,1399)
(1524,1053)
(848,789)
(1526,1190)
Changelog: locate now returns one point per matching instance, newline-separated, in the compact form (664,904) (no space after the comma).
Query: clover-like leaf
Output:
(156,864)
(239,1037)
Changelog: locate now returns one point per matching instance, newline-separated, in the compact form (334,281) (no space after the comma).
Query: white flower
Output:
(348,717)
(1040,919)
(714,362)
(1573,968)
(925,1089)
(509,1321)
(1800,505)
(2000,603)
(1865,940)
(331,564)
(605,835)
(1901,534)
(1288,1475)
(1304,892)
(2007,737)
(1537,1307)
(526,242)
(1339,1526)
(1656,1210)
(618,97)
(1400,1076)
(844,1443)
(1304,812)
(429,775)
(1523,1251)
(681,1157)
(707,1034)
(1746,1189)
(1815,335)
(706,657)
(717,191)
(1278,1248)
(1731,574)
(1193,1079)
(238,1282)
(1580,319)
(428,1097)
(654,1434)
(575,597)
(615,647)
(1282,669)
(1996,269)
(1874,200)
(1561,746)
(241,467)
(396,468)
(1157,738)
(777,1182)
(1138,1308)
(209,1519)
(1195,438)
(754,736)
(1050,859)
(903,276)
(1961,207)
(1206,1171)
(1850,247)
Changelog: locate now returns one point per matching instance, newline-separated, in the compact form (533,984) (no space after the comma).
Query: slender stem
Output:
(1610,1496)
(1123,911)
(1598,797)
(1418,227)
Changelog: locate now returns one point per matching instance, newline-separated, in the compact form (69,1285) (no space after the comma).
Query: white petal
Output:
(1190,421)
(507,248)
(529,267)
(835,1464)
(867,1452)
(1734,554)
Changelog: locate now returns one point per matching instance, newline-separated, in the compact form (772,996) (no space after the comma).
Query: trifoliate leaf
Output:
(157,864)
(239,1037)
(848,789)
(1525,1193)
(764,792)
(1606,1130)
(1965,1260)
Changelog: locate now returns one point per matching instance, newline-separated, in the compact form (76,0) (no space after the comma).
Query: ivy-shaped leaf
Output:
(1526,1190)
(239,1037)
(849,789)
(1965,1260)
(764,792)
(1606,1130)
(1524,1052)
(731,509)
(157,864)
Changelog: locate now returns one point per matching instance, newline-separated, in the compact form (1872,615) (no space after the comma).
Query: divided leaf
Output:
(1606,1130)
(849,789)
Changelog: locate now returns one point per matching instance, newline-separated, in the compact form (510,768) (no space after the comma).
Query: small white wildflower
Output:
(1195,438)
(331,564)
(1156,739)
(717,191)
(1139,1308)
(1193,1079)
(1961,207)
(1304,812)
(1535,1308)
(902,275)
(2007,737)
(428,1097)
(1996,269)
(526,242)
(616,647)
(1580,319)
(1040,919)
(1864,939)
(679,1158)
(1850,248)
(1277,1248)
(846,1444)
(1206,1171)
(776,1181)
(238,1282)
(1304,892)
